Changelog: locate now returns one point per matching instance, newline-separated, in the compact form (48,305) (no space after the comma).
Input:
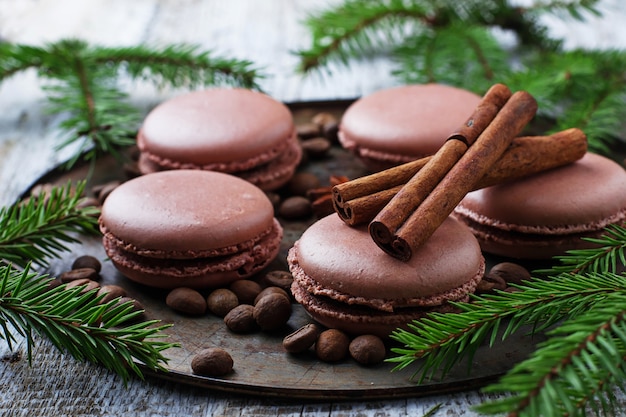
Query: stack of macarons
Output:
(400,124)
(189,228)
(231,130)
(549,213)
(344,281)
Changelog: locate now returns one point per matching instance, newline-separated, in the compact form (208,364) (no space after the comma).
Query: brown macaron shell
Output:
(400,124)
(232,130)
(189,228)
(546,214)
(345,281)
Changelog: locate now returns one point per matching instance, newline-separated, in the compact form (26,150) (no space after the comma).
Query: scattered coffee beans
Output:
(367,349)
(302,339)
(332,345)
(221,301)
(246,290)
(295,208)
(187,301)
(79,274)
(111,292)
(241,319)
(301,182)
(316,148)
(270,290)
(212,362)
(279,278)
(510,272)
(272,311)
(87,261)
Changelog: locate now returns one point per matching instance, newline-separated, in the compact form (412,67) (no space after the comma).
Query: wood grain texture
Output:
(263,31)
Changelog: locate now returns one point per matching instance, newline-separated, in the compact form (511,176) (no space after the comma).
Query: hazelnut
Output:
(221,301)
(302,339)
(272,311)
(246,290)
(212,362)
(332,345)
(510,272)
(241,319)
(367,349)
(186,300)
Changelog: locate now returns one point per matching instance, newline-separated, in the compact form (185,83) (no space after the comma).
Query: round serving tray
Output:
(261,366)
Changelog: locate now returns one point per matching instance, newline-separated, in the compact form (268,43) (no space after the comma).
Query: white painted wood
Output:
(262,31)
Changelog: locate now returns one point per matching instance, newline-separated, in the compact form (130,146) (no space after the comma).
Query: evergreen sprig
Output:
(580,309)
(34,230)
(79,323)
(456,43)
(111,334)
(82,82)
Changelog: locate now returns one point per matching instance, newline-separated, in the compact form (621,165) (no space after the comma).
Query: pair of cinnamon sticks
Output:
(404,205)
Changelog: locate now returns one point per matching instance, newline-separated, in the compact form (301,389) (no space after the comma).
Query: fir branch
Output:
(607,255)
(577,367)
(77,322)
(441,340)
(34,230)
(83,85)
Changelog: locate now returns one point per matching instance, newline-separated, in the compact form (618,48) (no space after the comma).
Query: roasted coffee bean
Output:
(111,292)
(301,183)
(241,319)
(102,191)
(367,349)
(278,278)
(221,301)
(332,345)
(510,272)
(187,301)
(316,148)
(295,208)
(271,290)
(212,362)
(302,339)
(87,283)
(78,274)
(246,290)
(272,311)
(328,124)
(308,130)
(87,261)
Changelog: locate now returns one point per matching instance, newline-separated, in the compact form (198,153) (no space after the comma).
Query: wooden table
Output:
(262,31)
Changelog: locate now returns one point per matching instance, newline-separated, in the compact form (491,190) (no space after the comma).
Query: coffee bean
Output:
(316,148)
(246,290)
(87,261)
(102,191)
(87,283)
(295,208)
(241,319)
(308,130)
(110,292)
(301,182)
(212,362)
(328,124)
(510,272)
(271,290)
(272,311)
(332,345)
(302,339)
(79,274)
(367,349)
(221,301)
(186,300)
(278,278)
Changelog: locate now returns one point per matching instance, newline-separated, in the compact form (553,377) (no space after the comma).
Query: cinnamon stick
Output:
(387,222)
(462,178)
(527,155)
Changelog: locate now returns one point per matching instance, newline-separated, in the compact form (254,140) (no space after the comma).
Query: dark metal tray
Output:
(261,366)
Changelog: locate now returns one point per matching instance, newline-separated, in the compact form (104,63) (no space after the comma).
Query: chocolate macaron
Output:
(401,124)
(232,130)
(344,281)
(189,228)
(549,213)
